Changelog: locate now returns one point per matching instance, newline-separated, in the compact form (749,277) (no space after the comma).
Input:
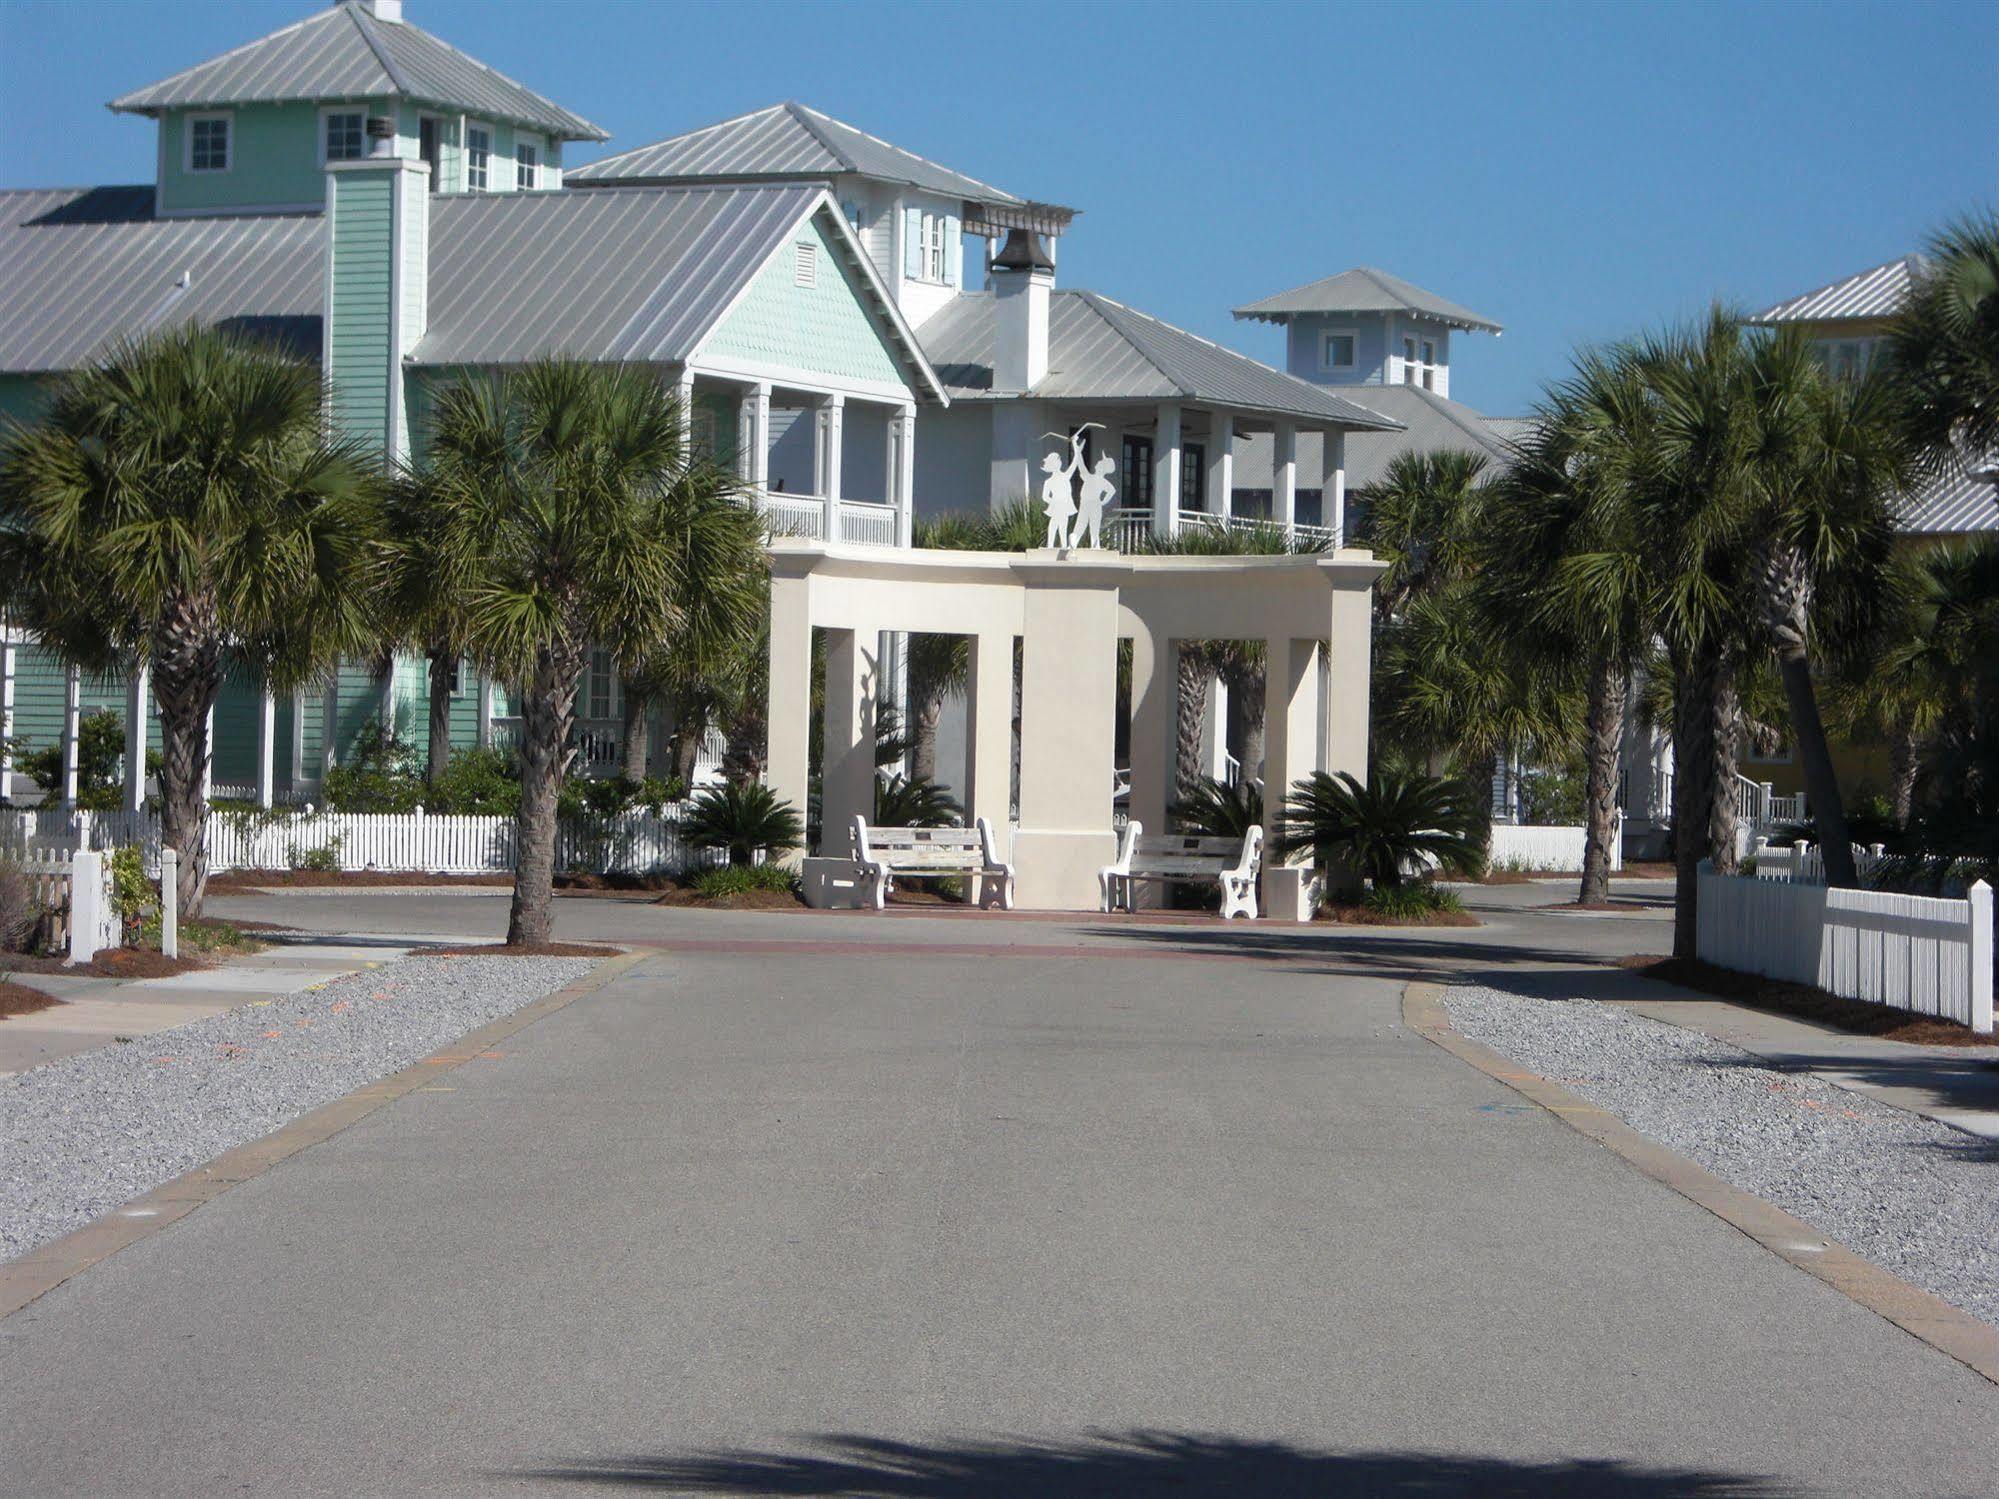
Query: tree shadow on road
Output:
(1141,1462)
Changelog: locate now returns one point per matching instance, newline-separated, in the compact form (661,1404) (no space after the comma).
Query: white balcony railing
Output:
(816,518)
(1130,530)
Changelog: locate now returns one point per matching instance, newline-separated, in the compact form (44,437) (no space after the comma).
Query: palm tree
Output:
(1219,810)
(179,503)
(1421,521)
(1383,831)
(1945,351)
(425,606)
(566,496)
(744,819)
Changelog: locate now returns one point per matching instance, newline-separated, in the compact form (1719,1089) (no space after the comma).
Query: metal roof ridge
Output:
(123,105)
(798,112)
(485,67)
(798,109)
(363,24)
(685,135)
(1914,260)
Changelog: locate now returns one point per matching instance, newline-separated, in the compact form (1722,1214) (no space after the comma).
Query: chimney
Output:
(383,10)
(1023,275)
(377,288)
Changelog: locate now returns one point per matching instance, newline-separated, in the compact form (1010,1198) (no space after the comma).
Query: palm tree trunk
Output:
(1705,723)
(187,678)
(923,736)
(632,734)
(548,711)
(1190,712)
(443,666)
(1479,773)
(1786,599)
(1246,704)
(1904,760)
(1603,729)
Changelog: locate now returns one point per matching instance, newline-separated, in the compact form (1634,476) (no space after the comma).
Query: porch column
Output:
(1166,472)
(902,482)
(758,428)
(832,418)
(136,685)
(298,742)
(9,663)
(989,732)
(267,746)
(1221,464)
(72,725)
(388,708)
(485,710)
(1155,682)
(853,692)
(329,747)
(1284,478)
(788,767)
(1333,493)
(683,389)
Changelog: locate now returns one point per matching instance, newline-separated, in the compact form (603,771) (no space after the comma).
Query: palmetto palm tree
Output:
(1383,831)
(425,604)
(1945,352)
(1421,519)
(178,504)
(565,496)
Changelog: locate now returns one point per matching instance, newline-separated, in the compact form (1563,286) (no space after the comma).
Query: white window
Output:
(526,160)
(933,247)
(1336,352)
(344,134)
(805,265)
(1408,361)
(603,693)
(1429,365)
(208,143)
(478,158)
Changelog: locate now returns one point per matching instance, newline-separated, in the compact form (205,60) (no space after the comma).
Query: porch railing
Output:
(1130,529)
(817,518)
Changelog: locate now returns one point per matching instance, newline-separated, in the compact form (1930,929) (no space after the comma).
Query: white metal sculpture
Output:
(1075,498)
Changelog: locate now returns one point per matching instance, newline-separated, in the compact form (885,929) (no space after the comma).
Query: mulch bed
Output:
(1598,905)
(1362,916)
(1806,1002)
(19,999)
(521,950)
(109,963)
(747,900)
(278,879)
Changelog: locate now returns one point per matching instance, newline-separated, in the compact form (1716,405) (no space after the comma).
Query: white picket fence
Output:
(1912,952)
(1804,863)
(74,887)
(417,842)
(1527,846)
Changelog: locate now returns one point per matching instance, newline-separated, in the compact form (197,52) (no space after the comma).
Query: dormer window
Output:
(1408,361)
(344,134)
(478,158)
(208,142)
(526,162)
(1337,351)
(933,247)
(1429,365)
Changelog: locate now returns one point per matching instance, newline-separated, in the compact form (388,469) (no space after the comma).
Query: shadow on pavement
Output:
(1134,1463)
(1945,1081)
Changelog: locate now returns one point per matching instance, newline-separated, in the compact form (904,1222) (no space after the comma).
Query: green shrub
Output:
(322,860)
(744,819)
(476,782)
(1412,902)
(1216,809)
(381,776)
(100,754)
(741,879)
(1384,831)
(133,896)
(616,795)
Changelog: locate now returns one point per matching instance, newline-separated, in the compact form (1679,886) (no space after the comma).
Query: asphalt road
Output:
(949,1207)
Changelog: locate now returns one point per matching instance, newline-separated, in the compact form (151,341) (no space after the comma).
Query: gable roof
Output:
(788,140)
(1874,293)
(1364,289)
(347,53)
(82,267)
(1099,349)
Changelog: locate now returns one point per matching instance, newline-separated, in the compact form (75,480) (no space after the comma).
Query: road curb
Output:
(41,1270)
(1973,1343)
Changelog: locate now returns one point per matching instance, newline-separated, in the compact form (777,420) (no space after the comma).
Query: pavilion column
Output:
(1166,472)
(853,693)
(1284,478)
(137,685)
(788,762)
(1343,733)
(267,746)
(902,474)
(1155,682)
(989,732)
(1333,488)
(1221,464)
(72,727)
(1068,737)
(1291,736)
(10,661)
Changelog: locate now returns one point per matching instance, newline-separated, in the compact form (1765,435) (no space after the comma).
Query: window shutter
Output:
(954,250)
(912,242)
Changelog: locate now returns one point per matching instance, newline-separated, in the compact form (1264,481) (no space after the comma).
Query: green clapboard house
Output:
(363,193)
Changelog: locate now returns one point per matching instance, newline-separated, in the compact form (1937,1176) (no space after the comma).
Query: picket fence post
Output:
(1980,898)
(86,904)
(169,903)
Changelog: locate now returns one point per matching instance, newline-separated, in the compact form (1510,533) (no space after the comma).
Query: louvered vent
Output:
(805,265)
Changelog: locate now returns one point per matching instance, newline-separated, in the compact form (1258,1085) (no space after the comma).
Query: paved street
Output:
(953,1206)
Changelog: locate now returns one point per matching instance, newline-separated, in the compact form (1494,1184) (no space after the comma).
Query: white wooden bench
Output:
(883,853)
(1231,863)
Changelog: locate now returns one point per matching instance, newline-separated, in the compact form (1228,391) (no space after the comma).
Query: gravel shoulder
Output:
(1914,1196)
(82,1135)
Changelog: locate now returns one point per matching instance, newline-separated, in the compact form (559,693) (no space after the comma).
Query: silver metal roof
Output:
(789,140)
(1430,423)
(1364,289)
(82,267)
(1875,293)
(347,53)
(1102,350)
(1960,500)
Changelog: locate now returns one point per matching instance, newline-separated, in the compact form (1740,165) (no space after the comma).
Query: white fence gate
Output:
(1911,952)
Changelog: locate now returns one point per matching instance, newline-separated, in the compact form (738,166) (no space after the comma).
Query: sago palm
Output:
(179,504)
(1219,810)
(563,493)
(743,819)
(1384,831)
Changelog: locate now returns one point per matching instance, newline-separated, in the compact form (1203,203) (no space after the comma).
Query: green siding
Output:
(357,338)
(38,696)
(826,328)
(22,397)
(273,159)
(357,707)
(237,711)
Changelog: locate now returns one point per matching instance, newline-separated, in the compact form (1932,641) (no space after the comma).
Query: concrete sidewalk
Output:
(99,1012)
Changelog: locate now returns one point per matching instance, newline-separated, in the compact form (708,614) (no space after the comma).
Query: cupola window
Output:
(1337,352)
(478,158)
(346,135)
(208,143)
(525,164)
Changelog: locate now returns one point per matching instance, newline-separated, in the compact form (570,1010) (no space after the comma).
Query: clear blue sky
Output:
(1576,172)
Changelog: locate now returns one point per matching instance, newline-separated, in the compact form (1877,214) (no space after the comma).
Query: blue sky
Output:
(1576,172)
